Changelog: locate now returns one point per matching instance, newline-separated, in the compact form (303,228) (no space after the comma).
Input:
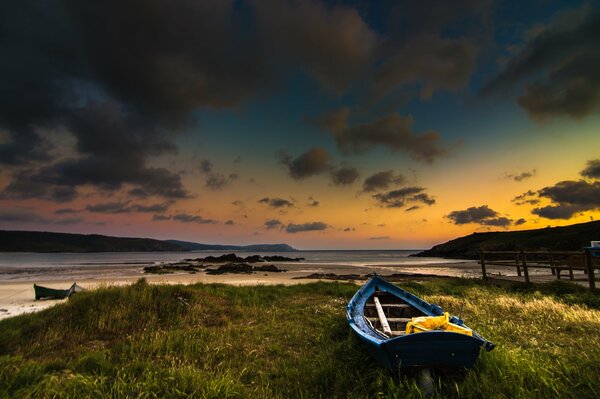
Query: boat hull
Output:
(431,349)
(52,293)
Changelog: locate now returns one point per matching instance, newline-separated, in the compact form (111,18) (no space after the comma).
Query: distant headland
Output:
(38,241)
(566,238)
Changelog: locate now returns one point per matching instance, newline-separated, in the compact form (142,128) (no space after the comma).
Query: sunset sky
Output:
(321,124)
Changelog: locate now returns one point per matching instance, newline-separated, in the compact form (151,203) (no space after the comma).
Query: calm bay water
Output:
(126,259)
(24,266)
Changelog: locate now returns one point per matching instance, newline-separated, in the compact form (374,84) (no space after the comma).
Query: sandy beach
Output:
(17,294)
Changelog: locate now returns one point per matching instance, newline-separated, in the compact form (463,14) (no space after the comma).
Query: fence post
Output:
(482,260)
(525,271)
(517,262)
(551,259)
(589,265)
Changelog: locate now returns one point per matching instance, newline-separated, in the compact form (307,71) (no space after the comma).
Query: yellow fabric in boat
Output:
(428,323)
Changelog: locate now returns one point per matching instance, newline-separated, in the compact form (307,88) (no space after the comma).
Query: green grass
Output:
(217,341)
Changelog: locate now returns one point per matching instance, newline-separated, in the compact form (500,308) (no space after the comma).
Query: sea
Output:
(19,266)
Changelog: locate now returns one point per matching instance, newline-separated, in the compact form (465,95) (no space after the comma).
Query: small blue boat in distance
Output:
(379,313)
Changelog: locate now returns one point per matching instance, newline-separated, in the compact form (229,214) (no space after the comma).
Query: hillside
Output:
(36,241)
(572,237)
(193,246)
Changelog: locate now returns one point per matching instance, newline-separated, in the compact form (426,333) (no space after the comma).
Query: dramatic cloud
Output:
(126,207)
(121,93)
(393,131)
(64,211)
(592,169)
(28,184)
(186,218)
(344,176)
(569,198)
(420,55)
(403,196)
(431,62)
(528,197)
(568,57)
(313,162)
(217,181)
(312,226)
(276,202)
(273,223)
(519,222)
(482,215)
(521,176)
(206,166)
(382,181)
(230,223)
(332,44)
(28,216)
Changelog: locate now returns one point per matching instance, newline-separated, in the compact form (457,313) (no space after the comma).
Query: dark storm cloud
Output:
(313,162)
(272,223)
(482,215)
(121,90)
(419,54)
(568,57)
(518,177)
(333,44)
(344,176)
(519,222)
(392,131)
(312,226)
(276,202)
(592,169)
(382,181)
(230,223)
(312,202)
(158,218)
(412,208)
(403,196)
(27,184)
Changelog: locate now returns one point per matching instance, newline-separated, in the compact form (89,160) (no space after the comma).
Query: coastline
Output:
(17,295)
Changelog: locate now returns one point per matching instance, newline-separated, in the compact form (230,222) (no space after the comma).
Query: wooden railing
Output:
(557,261)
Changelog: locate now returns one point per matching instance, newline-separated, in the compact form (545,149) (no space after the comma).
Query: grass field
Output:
(217,341)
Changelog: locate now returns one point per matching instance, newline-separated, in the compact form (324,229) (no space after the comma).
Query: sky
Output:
(321,124)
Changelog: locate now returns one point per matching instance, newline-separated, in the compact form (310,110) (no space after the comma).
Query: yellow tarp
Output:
(428,323)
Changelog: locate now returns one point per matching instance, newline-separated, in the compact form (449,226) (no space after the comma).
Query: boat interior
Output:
(387,314)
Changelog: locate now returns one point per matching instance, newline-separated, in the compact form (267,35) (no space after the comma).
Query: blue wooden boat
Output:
(387,340)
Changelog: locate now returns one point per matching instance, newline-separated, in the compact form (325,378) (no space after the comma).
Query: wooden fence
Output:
(557,261)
